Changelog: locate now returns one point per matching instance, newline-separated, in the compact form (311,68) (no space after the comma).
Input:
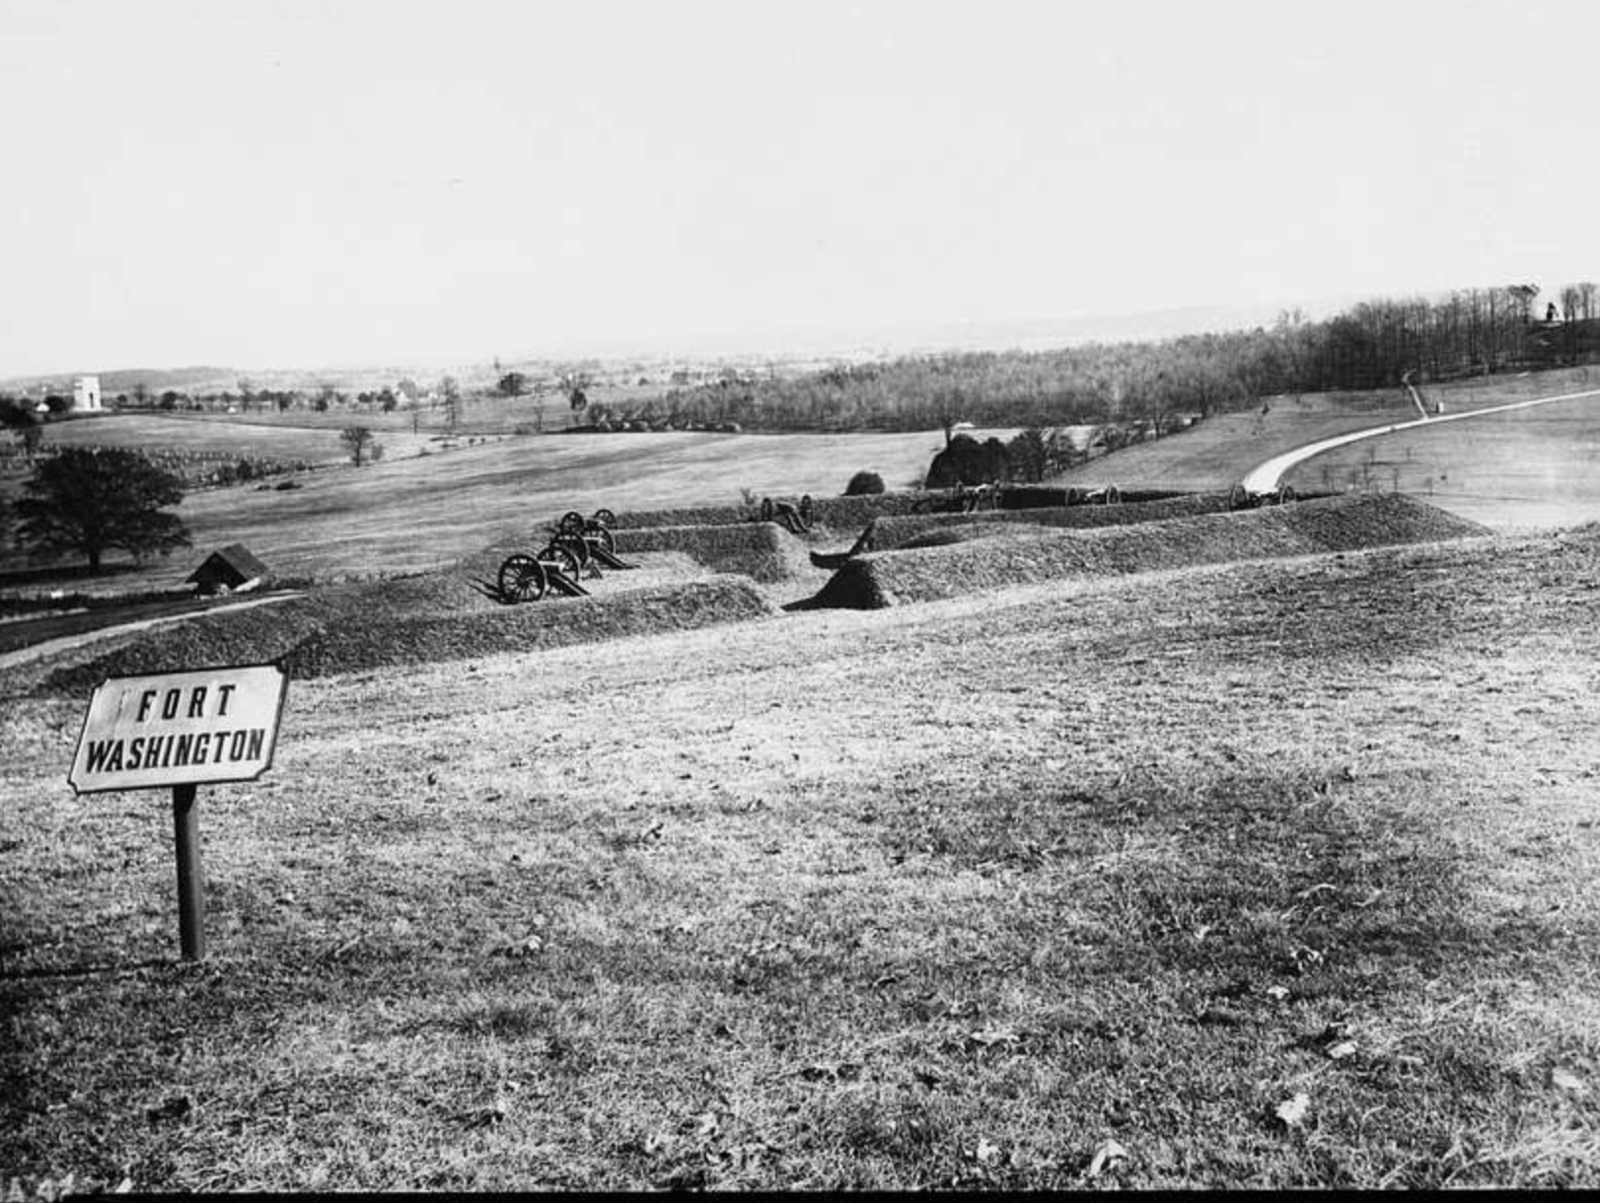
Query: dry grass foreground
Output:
(1277,874)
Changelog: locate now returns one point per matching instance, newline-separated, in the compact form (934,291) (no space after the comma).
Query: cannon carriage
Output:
(1241,497)
(1104,495)
(959,499)
(795,517)
(577,549)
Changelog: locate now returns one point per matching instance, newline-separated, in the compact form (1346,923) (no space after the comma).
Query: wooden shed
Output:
(231,570)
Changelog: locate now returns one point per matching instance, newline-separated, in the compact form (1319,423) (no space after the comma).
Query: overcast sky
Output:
(260,183)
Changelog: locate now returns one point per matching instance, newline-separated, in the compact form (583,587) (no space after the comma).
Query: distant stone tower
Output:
(86,394)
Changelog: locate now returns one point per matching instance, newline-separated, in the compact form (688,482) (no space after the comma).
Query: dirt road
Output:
(1264,478)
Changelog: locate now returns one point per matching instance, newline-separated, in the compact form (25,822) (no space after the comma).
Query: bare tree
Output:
(359,440)
(450,391)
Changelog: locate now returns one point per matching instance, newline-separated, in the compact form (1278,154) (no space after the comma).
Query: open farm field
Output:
(414,514)
(477,416)
(1530,482)
(197,433)
(1270,874)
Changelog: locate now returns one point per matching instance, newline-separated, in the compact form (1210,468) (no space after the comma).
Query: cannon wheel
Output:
(1287,494)
(604,518)
(577,545)
(1238,498)
(805,508)
(1112,496)
(522,579)
(601,535)
(571,523)
(766,509)
(1074,497)
(561,555)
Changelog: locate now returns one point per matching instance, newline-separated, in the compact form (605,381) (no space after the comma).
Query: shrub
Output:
(863,483)
(965,461)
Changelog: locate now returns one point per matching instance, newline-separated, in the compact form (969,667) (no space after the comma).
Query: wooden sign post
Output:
(183,729)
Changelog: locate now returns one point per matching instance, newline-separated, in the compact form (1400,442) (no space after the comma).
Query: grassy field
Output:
(1538,468)
(408,515)
(412,512)
(313,438)
(1511,471)
(1272,875)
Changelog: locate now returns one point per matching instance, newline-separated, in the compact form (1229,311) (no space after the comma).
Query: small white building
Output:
(86,395)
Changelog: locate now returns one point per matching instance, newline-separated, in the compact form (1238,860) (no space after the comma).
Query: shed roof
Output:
(236,556)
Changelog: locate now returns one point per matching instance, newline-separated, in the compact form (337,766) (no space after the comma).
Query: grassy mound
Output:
(897,531)
(366,627)
(427,638)
(1024,555)
(763,551)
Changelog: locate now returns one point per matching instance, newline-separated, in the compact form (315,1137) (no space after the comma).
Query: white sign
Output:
(182,728)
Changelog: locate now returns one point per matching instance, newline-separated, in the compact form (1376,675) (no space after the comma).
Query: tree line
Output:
(1372,345)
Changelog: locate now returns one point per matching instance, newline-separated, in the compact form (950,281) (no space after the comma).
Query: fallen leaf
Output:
(1277,993)
(1564,1079)
(526,946)
(1106,1154)
(1343,1049)
(1293,1111)
(990,1037)
(175,1107)
(988,1152)
(657,1142)
(484,1117)
(836,1071)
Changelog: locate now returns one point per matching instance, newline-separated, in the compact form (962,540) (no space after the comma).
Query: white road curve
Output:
(1264,478)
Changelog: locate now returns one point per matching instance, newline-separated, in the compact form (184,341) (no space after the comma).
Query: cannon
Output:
(524,577)
(959,499)
(1242,498)
(1104,495)
(577,547)
(796,518)
(590,540)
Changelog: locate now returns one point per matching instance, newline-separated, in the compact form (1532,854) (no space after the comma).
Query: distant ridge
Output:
(888,341)
(125,380)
